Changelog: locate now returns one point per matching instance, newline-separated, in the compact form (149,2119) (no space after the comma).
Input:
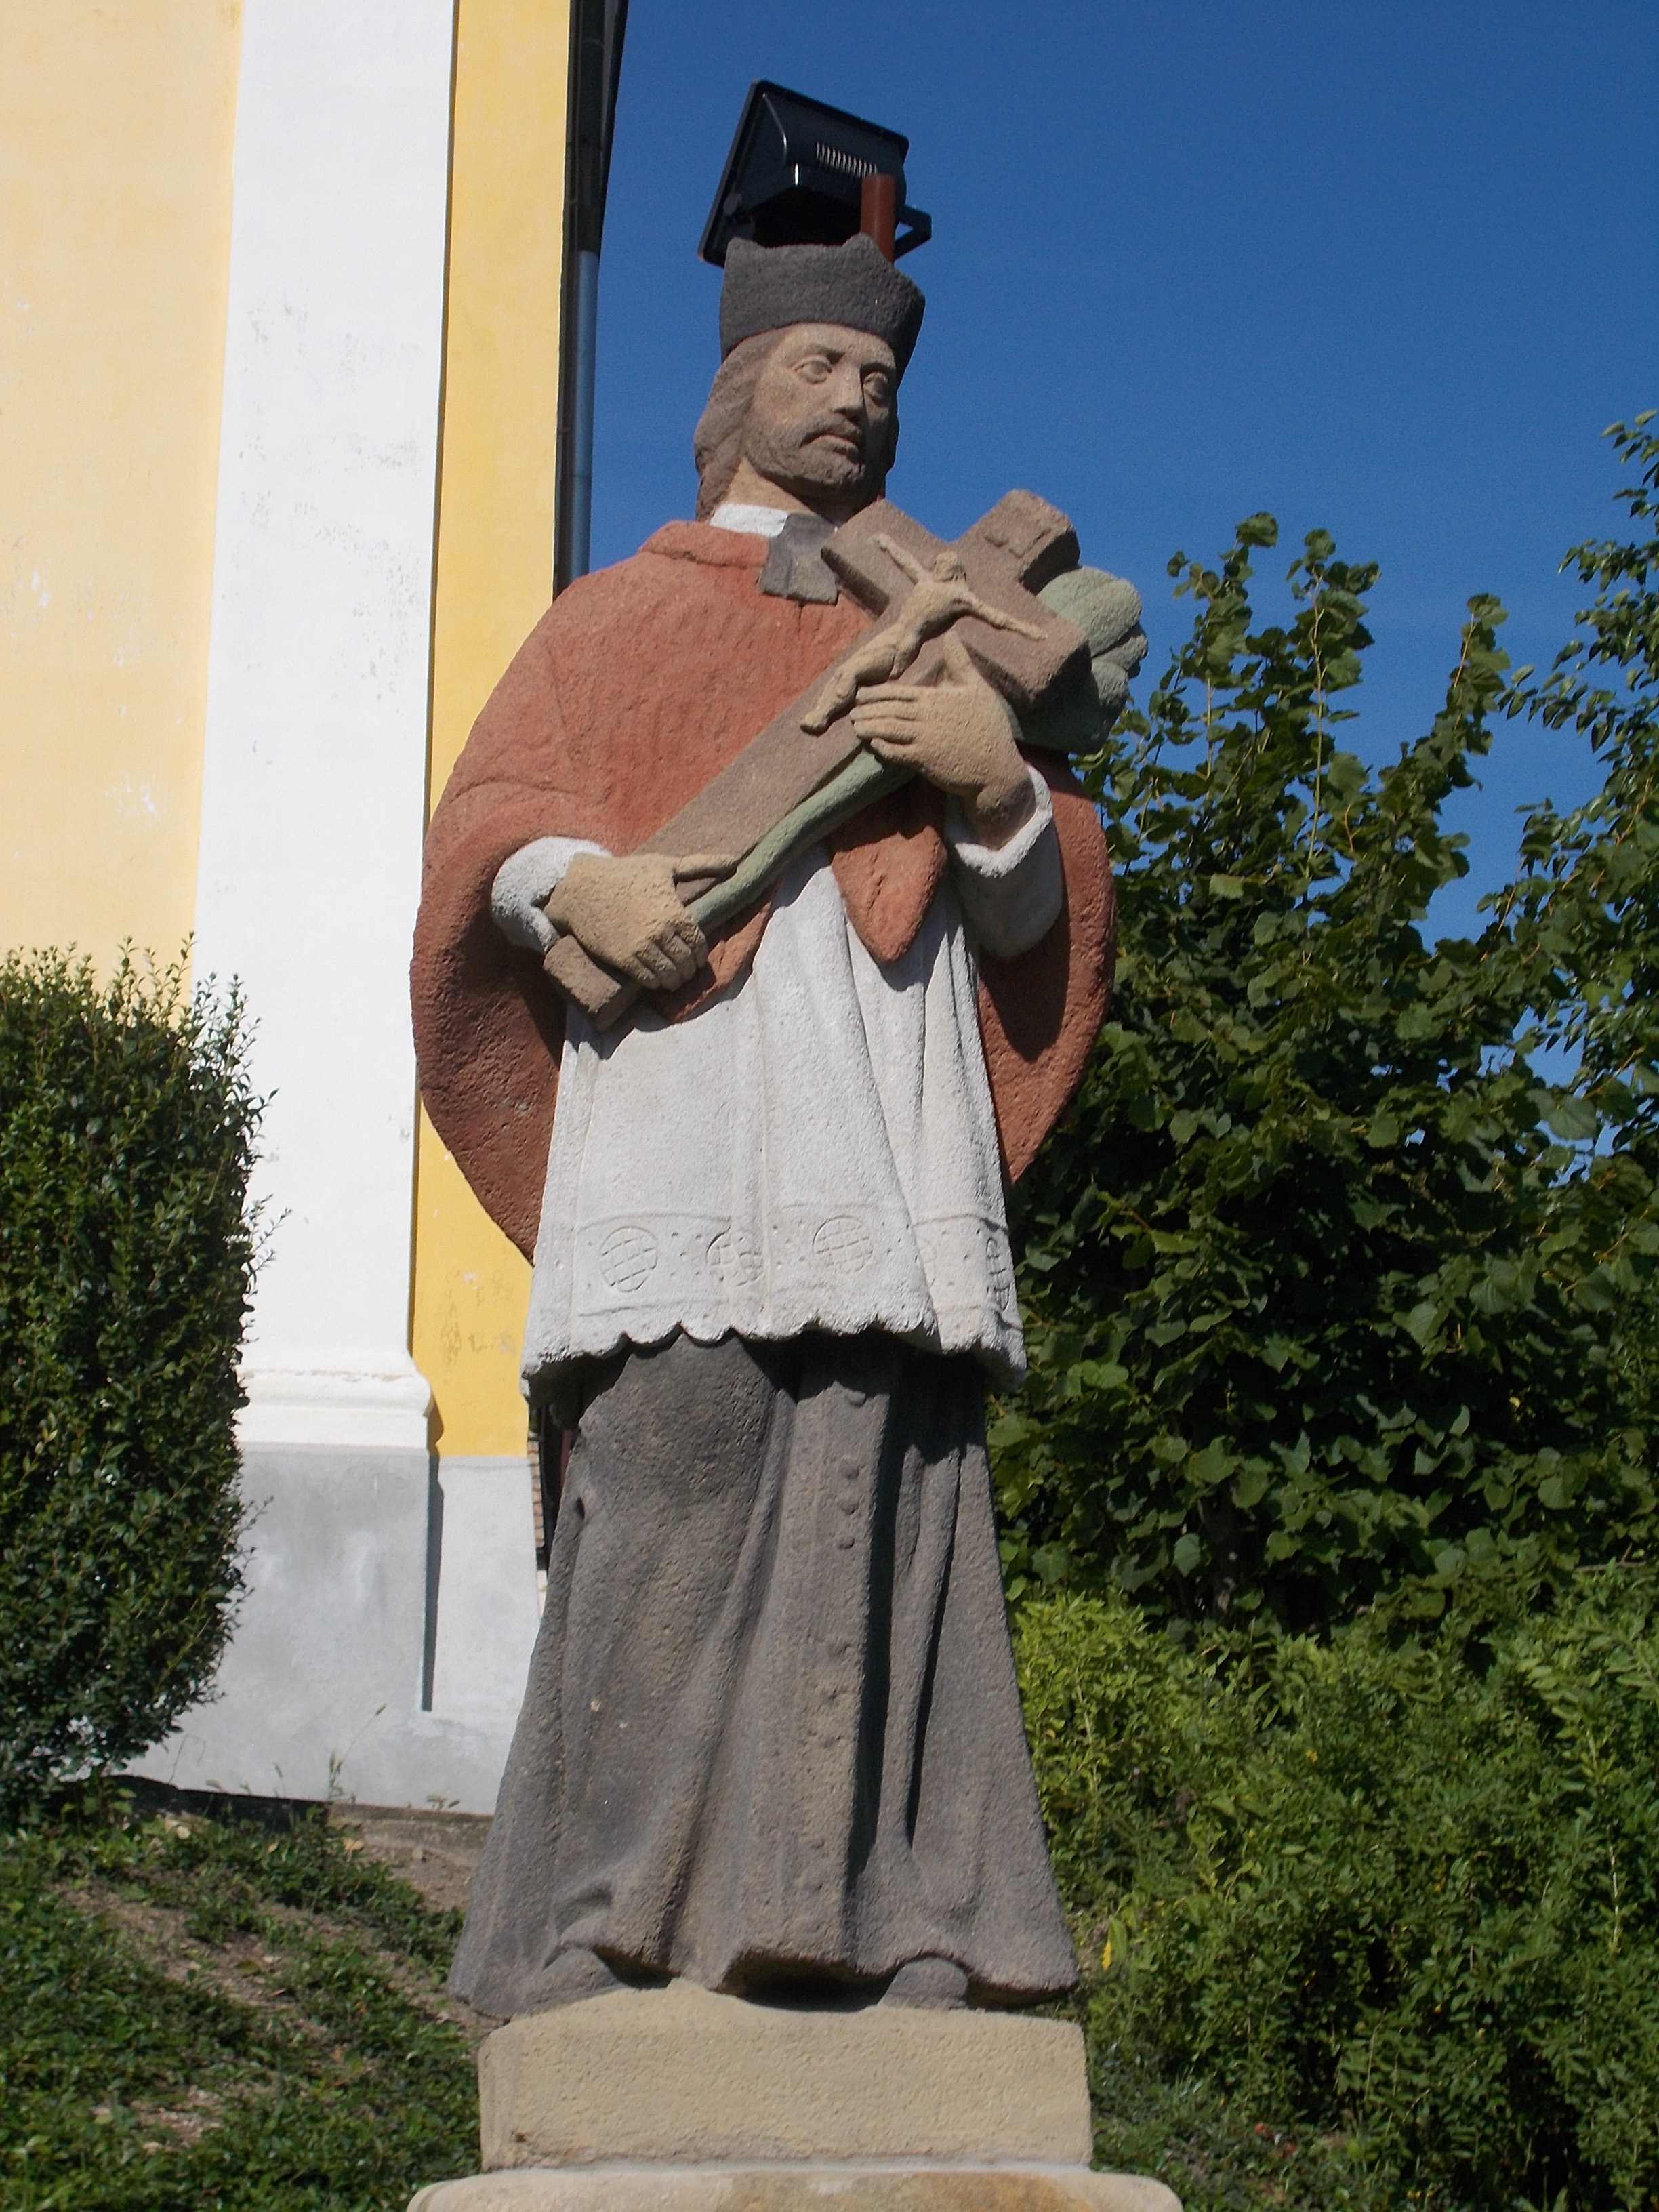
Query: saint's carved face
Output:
(821,423)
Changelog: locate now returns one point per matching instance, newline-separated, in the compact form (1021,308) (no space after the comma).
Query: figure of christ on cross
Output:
(771,1739)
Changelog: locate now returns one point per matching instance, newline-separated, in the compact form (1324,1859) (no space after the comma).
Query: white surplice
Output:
(814,1150)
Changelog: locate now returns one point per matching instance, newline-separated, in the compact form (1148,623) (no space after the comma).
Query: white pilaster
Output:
(314,779)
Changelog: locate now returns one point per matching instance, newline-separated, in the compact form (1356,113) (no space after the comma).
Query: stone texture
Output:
(767,288)
(680,2074)
(799,2189)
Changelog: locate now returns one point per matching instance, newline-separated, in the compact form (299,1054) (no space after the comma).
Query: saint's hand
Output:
(627,913)
(957,732)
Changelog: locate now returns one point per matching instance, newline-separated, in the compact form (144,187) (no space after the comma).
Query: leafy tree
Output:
(126,1252)
(1584,913)
(1323,1277)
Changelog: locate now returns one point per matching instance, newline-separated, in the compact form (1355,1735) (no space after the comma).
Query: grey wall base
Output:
(380,1647)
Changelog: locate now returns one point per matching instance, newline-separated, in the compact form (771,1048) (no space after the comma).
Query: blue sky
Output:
(1386,268)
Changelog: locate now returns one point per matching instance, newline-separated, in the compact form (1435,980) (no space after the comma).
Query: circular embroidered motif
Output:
(844,1242)
(627,1257)
(734,1256)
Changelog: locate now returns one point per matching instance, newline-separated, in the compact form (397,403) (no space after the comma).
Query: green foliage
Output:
(1214,2154)
(1324,1281)
(1584,913)
(126,1250)
(307,2065)
(1588,905)
(1401,1897)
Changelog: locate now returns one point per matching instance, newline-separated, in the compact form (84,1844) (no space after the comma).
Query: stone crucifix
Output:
(981,591)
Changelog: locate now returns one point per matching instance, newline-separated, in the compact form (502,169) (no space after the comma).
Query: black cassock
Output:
(771,1738)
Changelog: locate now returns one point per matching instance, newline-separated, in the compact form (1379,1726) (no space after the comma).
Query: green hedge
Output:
(126,1254)
(1402,1894)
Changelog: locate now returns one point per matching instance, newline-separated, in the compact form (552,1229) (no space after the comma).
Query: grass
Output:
(228,2014)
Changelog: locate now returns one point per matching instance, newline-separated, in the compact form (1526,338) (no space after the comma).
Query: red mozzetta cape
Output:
(638,684)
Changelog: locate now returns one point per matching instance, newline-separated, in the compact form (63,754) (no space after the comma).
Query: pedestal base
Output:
(811,2188)
(681,2075)
(678,2100)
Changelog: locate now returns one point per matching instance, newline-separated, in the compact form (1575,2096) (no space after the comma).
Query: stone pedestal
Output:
(676,2100)
(783,2188)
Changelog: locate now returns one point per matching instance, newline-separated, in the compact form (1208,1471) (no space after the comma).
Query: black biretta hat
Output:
(767,288)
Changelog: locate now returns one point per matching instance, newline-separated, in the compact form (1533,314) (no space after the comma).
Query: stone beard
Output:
(771,1739)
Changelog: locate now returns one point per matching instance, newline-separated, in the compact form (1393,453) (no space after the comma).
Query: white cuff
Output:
(523,883)
(1012,894)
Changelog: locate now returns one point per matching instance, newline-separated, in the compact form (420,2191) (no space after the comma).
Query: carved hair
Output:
(717,441)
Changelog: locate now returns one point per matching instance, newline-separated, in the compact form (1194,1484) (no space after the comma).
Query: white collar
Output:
(753,521)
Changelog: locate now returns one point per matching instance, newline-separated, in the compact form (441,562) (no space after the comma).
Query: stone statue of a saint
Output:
(771,1740)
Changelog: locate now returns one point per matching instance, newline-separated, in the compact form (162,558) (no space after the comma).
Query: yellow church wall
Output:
(494,578)
(116,133)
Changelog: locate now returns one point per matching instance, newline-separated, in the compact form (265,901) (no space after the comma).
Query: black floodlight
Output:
(795,174)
